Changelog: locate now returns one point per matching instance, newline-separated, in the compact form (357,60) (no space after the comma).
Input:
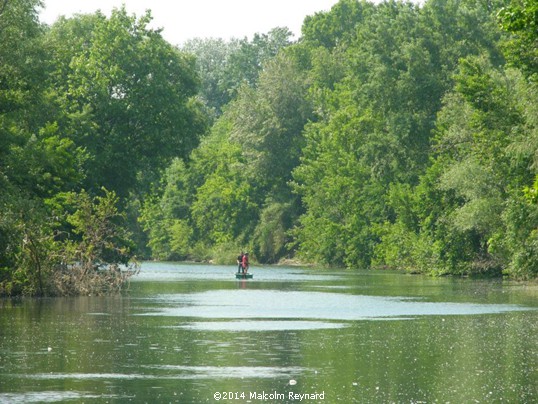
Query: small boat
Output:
(243,275)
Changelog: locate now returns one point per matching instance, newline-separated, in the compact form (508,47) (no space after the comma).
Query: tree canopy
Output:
(390,135)
(91,104)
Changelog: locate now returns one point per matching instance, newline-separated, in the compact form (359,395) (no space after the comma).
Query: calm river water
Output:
(194,334)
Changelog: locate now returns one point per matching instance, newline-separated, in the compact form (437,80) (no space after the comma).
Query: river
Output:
(190,333)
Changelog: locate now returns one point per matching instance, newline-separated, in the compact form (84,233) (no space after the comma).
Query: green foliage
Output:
(21,59)
(165,218)
(521,19)
(98,259)
(101,239)
(46,151)
(518,242)
(36,161)
(204,204)
(375,130)
(128,95)
(475,184)
(327,30)
(219,195)
(212,62)
(225,253)
(223,210)
(45,163)
(157,229)
(390,135)
(531,192)
(268,123)
(44,258)
(339,205)
(248,60)
(27,242)
(271,237)
(225,66)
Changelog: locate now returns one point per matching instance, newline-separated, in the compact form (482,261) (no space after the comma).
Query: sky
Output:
(187,19)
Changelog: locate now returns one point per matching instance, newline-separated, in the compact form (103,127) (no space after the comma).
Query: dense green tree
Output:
(268,122)
(128,95)
(27,243)
(246,62)
(378,116)
(375,130)
(36,161)
(521,19)
(238,177)
(91,101)
(224,66)
(97,260)
(390,135)
(163,213)
(212,62)
(201,204)
(21,64)
(466,204)
(330,29)
(22,74)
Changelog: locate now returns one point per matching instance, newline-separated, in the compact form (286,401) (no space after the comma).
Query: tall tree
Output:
(128,95)
(377,117)
(248,60)
(268,121)
(212,63)
(224,66)
(36,160)
(521,19)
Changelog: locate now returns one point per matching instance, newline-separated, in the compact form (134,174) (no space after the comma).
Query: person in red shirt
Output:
(245,263)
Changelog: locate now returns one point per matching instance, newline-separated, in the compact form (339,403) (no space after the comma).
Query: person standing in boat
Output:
(240,262)
(245,263)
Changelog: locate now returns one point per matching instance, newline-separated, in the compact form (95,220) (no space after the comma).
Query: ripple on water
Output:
(49,397)
(276,304)
(168,372)
(220,372)
(261,325)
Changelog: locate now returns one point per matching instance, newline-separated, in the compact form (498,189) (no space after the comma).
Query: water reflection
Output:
(50,397)
(276,304)
(239,326)
(178,372)
(181,272)
(227,372)
(187,331)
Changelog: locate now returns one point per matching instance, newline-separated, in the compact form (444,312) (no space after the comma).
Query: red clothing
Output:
(245,262)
